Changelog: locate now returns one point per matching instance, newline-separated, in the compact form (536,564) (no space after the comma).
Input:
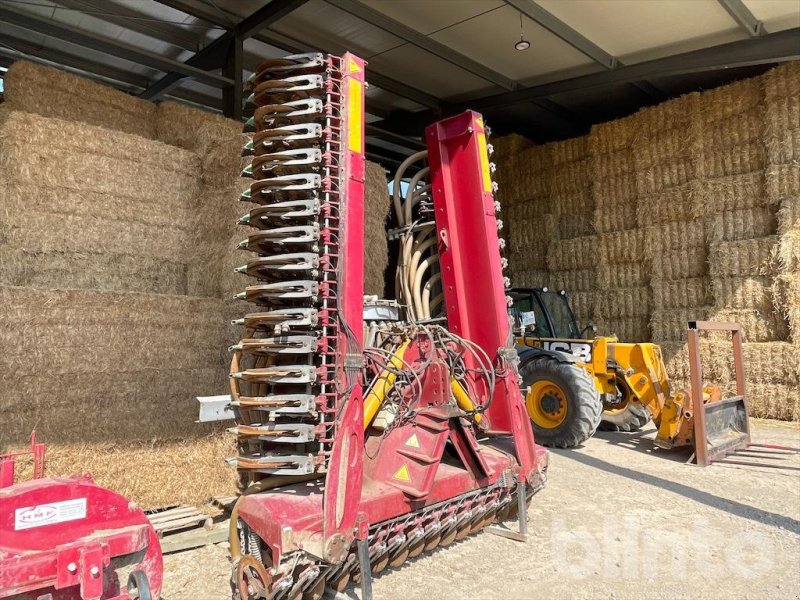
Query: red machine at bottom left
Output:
(67,538)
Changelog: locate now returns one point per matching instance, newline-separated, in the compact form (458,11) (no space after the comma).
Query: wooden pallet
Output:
(178,518)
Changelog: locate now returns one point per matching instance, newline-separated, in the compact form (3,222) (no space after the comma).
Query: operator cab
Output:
(544,313)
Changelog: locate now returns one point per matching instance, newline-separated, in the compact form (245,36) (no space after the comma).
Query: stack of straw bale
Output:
(117,251)
(697,216)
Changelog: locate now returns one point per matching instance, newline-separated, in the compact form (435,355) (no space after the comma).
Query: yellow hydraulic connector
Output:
(463,399)
(376,396)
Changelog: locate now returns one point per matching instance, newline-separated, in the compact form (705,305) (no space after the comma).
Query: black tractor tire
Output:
(633,418)
(583,404)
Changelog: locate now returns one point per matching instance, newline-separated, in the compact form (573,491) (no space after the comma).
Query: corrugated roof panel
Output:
(429,73)
(776,15)
(428,17)
(628,27)
(490,39)
(319,23)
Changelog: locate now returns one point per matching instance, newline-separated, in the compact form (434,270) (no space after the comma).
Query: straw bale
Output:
(673,204)
(611,136)
(508,145)
(786,292)
(610,276)
(86,158)
(610,219)
(583,305)
(531,256)
(623,302)
(743,258)
(569,151)
(737,160)
(680,293)
(764,362)
(192,128)
(783,181)
(765,325)
(729,100)
(612,164)
(57,94)
(575,225)
(536,158)
(679,263)
(789,235)
(674,113)
(614,191)
(789,215)
(630,329)
(622,247)
(663,175)
(671,324)
(572,254)
(584,280)
(742,224)
(153,473)
(676,360)
(774,401)
(733,192)
(743,292)
(733,131)
(572,202)
(97,271)
(656,148)
(784,146)
(376,249)
(531,232)
(530,278)
(782,82)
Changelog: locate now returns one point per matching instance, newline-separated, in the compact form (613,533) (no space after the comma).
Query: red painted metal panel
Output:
(469,253)
(344,478)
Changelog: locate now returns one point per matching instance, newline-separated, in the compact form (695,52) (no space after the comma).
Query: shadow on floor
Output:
(724,504)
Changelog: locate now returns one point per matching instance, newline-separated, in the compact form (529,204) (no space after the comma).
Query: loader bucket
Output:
(721,426)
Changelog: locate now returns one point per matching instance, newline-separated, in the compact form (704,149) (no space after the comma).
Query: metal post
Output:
(366,569)
(696,378)
(522,509)
(232,96)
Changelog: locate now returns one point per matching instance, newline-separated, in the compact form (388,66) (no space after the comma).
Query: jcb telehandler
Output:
(573,379)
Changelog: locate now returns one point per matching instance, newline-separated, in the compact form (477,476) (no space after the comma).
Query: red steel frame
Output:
(472,273)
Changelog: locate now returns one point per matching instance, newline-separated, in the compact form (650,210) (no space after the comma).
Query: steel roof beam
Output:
(557,27)
(215,54)
(742,15)
(770,48)
(86,39)
(415,38)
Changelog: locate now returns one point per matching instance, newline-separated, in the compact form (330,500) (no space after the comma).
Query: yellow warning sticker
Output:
(355,115)
(413,442)
(483,150)
(402,474)
(353,66)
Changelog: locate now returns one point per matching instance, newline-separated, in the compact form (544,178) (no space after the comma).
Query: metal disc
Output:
(252,579)
(416,548)
(433,542)
(448,536)
(463,531)
(380,564)
(399,558)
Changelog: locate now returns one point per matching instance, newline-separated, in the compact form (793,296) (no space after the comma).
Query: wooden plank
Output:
(183,523)
(195,538)
(174,514)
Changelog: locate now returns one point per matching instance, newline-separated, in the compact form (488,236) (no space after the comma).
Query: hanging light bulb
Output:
(522,44)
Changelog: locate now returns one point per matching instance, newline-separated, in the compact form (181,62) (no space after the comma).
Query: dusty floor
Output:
(617,519)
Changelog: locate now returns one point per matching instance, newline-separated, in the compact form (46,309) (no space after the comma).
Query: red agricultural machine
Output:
(366,440)
(67,538)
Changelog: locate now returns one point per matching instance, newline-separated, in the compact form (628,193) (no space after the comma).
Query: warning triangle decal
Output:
(412,442)
(402,474)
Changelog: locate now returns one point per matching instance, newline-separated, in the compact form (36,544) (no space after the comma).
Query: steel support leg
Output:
(522,519)
(366,569)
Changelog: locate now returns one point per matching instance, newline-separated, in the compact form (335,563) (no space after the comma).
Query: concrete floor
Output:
(618,519)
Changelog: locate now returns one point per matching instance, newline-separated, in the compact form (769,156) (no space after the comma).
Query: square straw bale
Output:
(529,278)
(623,302)
(622,247)
(679,263)
(192,128)
(530,256)
(624,275)
(758,325)
(680,293)
(57,94)
(575,225)
(584,280)
(734,131)
(573,254)
(611,219)
(376,249)
(672,204)
(774,401)
(734,192)
(672,114)
(728,101)
(671,324)
(736,160)
(612,164)
(626,329)
(667,174)
(569,151)
(743,292)
(764,362)
(782,82)
(784,146)
(742,224)
(743,258)
(783,181)
(614,190)
(612,136)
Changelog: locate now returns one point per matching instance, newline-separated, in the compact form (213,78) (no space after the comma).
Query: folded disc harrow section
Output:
(283,370)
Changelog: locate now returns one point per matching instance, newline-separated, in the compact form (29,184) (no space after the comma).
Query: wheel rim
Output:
(617,408)
(547,404)
(252,579)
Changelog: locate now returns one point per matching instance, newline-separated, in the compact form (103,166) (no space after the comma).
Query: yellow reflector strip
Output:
(355,113)
(485,173)
(402,474)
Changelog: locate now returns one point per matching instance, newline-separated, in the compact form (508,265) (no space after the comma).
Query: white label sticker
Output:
(48,514)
